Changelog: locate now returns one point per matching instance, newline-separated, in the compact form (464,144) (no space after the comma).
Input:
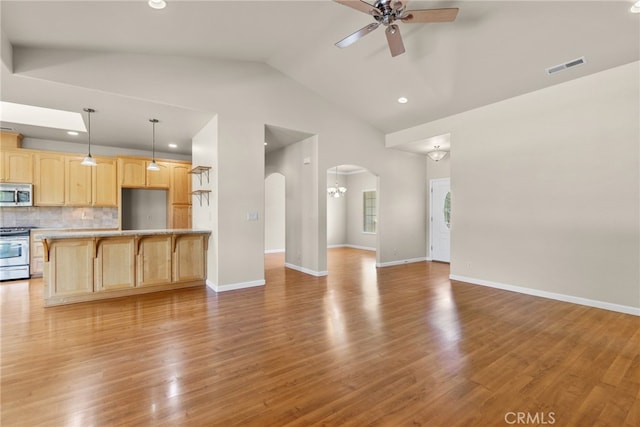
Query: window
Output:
(369,211)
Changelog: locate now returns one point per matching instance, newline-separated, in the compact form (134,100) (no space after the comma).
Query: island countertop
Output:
(57,234)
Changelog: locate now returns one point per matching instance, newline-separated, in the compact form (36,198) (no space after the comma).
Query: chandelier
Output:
(336,191)
(437,154)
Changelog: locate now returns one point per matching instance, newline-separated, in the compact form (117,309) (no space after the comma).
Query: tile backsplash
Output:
(59,217)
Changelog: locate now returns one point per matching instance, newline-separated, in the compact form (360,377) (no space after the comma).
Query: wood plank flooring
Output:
(396,346)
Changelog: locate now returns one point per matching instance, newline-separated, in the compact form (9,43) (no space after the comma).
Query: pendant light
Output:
(89,161)
(153,166)
(437,154)
(336,191)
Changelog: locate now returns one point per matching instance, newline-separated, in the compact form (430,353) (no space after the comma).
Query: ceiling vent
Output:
(565,66)
(6,129)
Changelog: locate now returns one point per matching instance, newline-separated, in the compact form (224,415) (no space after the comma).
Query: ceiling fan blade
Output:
(360,5)
(352,38)
(430,15)
(395,40)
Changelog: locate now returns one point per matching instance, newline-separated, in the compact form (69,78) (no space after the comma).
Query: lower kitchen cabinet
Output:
(154,260)
(73,267)
(189,262)
(114,270)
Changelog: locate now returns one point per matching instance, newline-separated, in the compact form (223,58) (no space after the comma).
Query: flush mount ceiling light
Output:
(402,100)
(157,4)
(153,166)
(336,191)
(635,8)
(72,133)
(173,145)
(89,161)
(437,154)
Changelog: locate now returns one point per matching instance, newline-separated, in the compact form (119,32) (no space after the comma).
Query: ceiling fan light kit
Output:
(387,13)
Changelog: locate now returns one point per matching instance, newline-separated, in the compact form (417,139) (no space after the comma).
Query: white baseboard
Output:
(551,295)
(400,262)
(365,248)
(273,251)
(305,270)
(234,286)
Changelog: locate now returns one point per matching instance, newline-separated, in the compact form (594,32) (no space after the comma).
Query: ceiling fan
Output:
(387,12)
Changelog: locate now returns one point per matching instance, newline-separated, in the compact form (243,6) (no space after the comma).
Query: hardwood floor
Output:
(396,346)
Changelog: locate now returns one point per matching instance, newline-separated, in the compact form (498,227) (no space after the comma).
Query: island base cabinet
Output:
(154,260)
(118,264)
(189,262)
(72,272)
(114,268)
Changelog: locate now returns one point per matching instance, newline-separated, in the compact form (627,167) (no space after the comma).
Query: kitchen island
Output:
(92,265)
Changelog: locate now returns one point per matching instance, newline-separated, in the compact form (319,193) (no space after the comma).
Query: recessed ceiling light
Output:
(403,100)
(635,8)
(265,143)
(72,133)
(157,4)
(173,145)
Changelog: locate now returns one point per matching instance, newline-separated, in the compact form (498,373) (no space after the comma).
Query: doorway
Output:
(440,219)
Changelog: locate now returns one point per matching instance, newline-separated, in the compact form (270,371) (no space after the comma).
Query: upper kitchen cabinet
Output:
(78,182)
(49,182)
(181,184)
(90,185)
(16,166)
(104,182)
(132,172)
(160,178)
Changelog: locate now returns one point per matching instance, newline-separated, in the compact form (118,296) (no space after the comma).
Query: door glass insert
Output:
(447,210)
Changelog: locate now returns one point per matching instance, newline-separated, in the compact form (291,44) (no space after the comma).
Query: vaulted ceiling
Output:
(492,51)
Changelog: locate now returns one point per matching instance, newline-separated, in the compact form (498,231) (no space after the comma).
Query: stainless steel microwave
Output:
(13,195)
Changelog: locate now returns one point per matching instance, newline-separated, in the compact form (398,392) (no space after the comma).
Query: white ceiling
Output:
(493,51)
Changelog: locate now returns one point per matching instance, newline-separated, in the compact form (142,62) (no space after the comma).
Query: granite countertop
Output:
(53,234)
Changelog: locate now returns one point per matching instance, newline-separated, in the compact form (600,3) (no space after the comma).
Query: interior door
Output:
(440,220)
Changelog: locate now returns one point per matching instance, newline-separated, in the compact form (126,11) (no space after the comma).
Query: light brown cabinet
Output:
(160,178)
(181,216)
(49,183)
(36,255)
(86,266)
(90,185)
(16,166)
(181,184)
(104,182)
(154,260)
(114,269)
(78,182)
(132,172)
(74,262)
(189,261)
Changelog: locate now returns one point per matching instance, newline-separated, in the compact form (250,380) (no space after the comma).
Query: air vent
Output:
(566,65)
(6,129)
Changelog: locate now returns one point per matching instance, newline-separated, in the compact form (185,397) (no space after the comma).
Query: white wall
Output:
(204,153)
(336,212)
(546,190)
(274,213)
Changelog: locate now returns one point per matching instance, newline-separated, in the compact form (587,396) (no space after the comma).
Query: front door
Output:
(440,220)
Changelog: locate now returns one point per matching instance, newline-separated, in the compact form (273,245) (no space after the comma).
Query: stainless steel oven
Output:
(16,195)
(14,253)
